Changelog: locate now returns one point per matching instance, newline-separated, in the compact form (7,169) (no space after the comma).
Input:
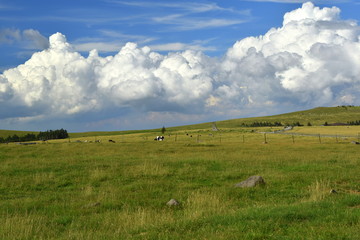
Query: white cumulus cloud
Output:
(312,59)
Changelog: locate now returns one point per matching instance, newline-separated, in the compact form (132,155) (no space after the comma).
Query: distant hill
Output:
(6,133)
(316,117)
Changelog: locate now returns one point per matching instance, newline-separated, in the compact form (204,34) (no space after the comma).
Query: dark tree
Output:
(28,137)
(14,138)
(163,130)
(53,134)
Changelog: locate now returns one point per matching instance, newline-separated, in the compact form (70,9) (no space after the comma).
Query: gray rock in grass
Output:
(251,182)
(173,202)
(333,191)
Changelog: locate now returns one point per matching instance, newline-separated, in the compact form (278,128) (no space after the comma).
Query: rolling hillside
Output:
(317,116)
(120,189)
(6,133)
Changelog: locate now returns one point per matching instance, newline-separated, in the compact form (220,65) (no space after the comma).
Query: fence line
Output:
(317,134)
(261,137)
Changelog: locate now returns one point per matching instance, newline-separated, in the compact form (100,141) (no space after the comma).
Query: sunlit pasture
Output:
(78,188)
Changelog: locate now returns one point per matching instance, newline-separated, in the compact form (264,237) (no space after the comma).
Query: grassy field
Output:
(316,116)
(6,133)
(88,190)
(333,130)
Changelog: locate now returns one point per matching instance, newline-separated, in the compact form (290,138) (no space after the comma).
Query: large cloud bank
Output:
(312,60)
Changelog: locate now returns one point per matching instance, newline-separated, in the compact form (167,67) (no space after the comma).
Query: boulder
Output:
(173,202)
(251,182)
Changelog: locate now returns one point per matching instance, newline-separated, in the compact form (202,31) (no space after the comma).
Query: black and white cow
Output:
(159,138)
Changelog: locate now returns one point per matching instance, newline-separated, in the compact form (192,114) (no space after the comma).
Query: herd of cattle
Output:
(158,138)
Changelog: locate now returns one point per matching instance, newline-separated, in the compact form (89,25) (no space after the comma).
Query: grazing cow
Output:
(112,141)
(159,138)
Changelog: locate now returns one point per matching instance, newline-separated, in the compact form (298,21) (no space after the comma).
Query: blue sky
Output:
(108,25)
(209,26)
(174,30)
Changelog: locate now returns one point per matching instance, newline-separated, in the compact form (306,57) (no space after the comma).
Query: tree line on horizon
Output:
(357,122)
(43,136)
(294,124)
(270,124)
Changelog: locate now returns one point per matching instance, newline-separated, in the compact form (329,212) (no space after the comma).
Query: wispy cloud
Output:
(178,46)
(28,39)
(9,36)
(8,7)
(303,1)
(126,37)
(184,16)
(186,6)
(109,41)
(181,23)
(191,16)
(88,18)
(103,45)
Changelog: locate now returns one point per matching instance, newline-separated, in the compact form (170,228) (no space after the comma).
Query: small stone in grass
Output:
(173,202)
(251,182)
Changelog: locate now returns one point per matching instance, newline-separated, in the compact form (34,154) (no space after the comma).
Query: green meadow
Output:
(317,116)
(6,133)
(78,189)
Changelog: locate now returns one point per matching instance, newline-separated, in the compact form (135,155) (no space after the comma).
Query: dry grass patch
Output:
(22,226)
(200,204)
(149,168)
(319,190)
(42,178)
(98,174)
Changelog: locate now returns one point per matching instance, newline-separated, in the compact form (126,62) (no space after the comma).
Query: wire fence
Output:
(262,137)
(223,137)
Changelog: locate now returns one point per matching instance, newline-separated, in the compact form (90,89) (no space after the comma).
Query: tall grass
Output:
(319,190)
(71,190)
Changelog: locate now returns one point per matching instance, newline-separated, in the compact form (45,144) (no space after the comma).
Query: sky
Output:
(106,65)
